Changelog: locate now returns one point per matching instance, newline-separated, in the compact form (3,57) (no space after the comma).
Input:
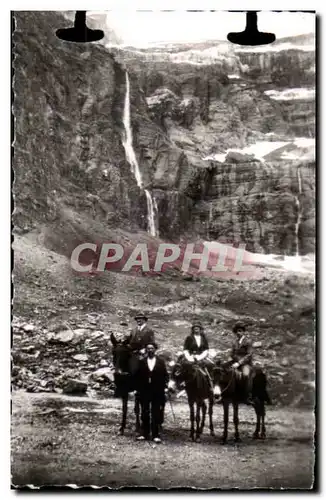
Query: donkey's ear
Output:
(113,339)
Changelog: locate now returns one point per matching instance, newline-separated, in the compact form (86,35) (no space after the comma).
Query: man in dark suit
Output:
(151,380)
(141,335)
(138,340)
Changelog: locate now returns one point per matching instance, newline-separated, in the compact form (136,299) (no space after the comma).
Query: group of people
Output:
(151,374)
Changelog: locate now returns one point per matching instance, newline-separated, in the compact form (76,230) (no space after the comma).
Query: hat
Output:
(239,326)
(198,324)
(140,315)
(153,344)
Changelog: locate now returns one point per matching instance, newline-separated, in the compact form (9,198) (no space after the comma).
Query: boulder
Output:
(80,357)
(105,373)
(103,363)
(237,157)
(28,328)
(63,336)
(74,386)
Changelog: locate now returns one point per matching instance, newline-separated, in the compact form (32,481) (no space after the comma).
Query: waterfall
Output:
(132,160)
(297,202)
(150,213)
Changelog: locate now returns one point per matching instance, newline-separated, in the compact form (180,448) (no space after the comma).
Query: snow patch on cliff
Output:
(297,263)
(259,150)
(301,148)
(277,48)
(291,94)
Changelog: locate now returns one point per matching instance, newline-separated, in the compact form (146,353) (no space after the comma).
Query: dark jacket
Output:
(191,344)
(151,384)
(139,339)
(242,352)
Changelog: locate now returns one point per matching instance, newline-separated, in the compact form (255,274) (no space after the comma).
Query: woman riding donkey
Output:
(191,372)
(196,349)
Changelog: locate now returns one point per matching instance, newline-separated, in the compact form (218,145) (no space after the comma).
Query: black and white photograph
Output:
(163,227)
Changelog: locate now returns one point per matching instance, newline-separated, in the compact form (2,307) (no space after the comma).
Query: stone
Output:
(63,336)
(237,157)
(28,349)
(80,357)
(28,328)
(80,332)
(257,344)
(105,373)
(74,386)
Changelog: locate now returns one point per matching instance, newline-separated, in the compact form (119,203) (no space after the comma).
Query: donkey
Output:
(229,388)
(198,389)
(124,380)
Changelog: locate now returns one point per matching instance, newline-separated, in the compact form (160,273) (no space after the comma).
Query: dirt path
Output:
(59,440)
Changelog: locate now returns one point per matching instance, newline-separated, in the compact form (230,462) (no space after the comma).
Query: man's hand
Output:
(235,365)
(142,351)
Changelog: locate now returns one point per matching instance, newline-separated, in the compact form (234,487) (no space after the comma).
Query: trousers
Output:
(151,415)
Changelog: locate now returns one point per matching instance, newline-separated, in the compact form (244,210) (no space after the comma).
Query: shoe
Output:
(140,438)
(157,440)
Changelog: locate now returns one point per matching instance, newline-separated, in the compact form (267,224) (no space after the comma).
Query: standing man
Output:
(151,380)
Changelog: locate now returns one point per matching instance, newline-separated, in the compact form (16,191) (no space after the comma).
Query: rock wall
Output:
(68,152)
(205,104)
(187,104)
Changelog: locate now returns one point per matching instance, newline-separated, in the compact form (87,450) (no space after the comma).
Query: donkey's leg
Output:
(124,413)
(198,408)
(210,414)
(263,428)
(137,412)
(258,417)
(236,421)
(204,410)
(192,420)
(226,421)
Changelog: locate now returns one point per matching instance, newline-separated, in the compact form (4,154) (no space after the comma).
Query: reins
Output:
(226,388)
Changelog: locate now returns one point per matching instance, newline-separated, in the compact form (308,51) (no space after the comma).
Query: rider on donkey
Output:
(241,355)
(139,338)
(196,349)
(196,345)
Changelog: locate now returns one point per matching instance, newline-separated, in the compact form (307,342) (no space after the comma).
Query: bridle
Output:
(230,381)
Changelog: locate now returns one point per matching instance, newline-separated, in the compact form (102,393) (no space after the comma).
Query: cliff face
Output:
(190,105)
(209,99)
(68,156)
